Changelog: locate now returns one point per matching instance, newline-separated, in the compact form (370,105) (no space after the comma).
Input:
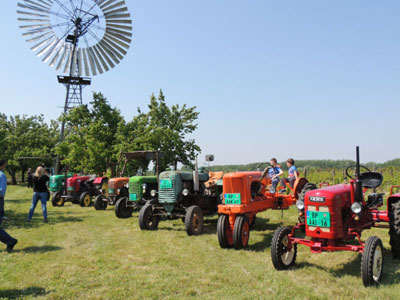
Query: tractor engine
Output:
(328,213)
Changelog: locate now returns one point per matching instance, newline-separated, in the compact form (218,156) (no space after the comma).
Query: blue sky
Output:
(301,79)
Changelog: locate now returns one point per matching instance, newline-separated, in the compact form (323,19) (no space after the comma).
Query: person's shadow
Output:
(19,293)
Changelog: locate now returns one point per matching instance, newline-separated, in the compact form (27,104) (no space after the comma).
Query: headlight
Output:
(300,204)
(118,191)
(153,193)
(185,192)
(356,207)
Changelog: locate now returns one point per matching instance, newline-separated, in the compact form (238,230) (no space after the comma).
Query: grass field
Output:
(86,254)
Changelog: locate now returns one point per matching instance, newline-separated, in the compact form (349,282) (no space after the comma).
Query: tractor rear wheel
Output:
(241,232)
(372,261)
(147,220)
(85,199)
(194,220)
(99,203)
(57,200)
(282,257)
(122,211)
(302,196)
(394,232)
(224,231)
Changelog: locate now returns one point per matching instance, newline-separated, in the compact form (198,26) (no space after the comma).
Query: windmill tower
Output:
(77,37)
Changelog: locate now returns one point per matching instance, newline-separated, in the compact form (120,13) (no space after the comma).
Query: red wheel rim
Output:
(245,233)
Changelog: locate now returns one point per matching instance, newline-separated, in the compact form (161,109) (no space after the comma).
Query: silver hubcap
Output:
(377,264)
(287,256)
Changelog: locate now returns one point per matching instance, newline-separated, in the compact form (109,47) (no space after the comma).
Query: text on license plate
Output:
(318,218)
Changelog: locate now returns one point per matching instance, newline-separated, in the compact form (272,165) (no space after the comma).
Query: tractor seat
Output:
(371,180)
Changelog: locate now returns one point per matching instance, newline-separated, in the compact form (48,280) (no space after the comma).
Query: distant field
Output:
(88,254)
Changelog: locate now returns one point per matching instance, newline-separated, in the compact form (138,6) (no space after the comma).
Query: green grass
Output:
(88,254)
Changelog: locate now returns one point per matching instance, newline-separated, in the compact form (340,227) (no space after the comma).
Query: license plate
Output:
(111,191)
(318,218)
(166,184)
(133,197)
(232,199)
(70,188)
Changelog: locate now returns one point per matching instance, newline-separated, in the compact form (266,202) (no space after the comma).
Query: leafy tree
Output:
(90,139)
(23,136)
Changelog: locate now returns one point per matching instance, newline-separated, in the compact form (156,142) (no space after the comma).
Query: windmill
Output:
(77,37)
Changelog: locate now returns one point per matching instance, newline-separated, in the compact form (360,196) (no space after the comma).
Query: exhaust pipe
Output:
(196,183)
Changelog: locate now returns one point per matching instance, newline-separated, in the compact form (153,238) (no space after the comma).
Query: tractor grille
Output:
(134,188)
(167,195)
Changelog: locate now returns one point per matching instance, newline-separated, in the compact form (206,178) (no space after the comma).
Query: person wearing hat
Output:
(4,236)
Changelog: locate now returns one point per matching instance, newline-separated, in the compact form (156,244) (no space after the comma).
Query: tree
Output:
(91,136)
(165,129)
(23,136)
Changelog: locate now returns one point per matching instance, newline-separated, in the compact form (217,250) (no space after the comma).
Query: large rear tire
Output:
(224,232)
(372,261)
(282,257)
(241,232)
(394,231)
(57,200)
(99,203)
(147,220)
(194,220)
(122,211)
(85,199)
(302,196)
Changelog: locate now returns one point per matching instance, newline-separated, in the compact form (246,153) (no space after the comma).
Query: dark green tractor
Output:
(141,190)
(183,194)
(57,188)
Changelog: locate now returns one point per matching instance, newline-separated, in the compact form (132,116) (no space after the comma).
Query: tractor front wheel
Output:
(85,200)
(394,231)
(224,231)
(122,211)
(57,200)
(99,203)
(241,232)
(194,220)
(282,253)
(372,261)
(147,220)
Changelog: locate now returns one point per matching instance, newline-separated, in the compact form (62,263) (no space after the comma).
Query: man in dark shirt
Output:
(4,236)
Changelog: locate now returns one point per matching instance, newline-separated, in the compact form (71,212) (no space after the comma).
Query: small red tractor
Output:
(81,189)
(245,195)
(334,218)
(117,189)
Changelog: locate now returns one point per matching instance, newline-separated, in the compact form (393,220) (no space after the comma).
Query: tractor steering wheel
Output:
(353,167)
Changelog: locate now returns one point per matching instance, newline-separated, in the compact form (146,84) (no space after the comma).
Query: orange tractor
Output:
(245,195)
(117,189)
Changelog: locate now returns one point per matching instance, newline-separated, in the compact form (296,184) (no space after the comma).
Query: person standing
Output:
(30,178)
(40,192)
(4,236)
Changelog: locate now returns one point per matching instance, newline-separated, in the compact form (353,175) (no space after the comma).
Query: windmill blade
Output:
(105,3)
(91,62)
(127,21)
(37,26)
(36,4)
(32,7)
(101,59)
(111,41)
(39,37)
(31,14)
(115,11)
(68,62)
(52,50)
(111,52)
(117,16)
(74,62)
(46,48)
(42,43)
(33,20)
(55,57)
(105,9)
(96,62)
(85,61)
(105,55)
(64,55)
(121,43)
(79,62)
(117,31)
(127,28)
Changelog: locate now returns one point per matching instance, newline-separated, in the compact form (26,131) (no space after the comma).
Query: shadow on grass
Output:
(39,249)
(261,245)
(19,220)
(18,293)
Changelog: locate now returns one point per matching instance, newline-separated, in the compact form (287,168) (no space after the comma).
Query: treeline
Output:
(97,135)
(314,164)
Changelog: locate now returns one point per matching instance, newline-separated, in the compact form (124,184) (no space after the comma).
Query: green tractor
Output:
(184,194)
(141,190)
(57,188)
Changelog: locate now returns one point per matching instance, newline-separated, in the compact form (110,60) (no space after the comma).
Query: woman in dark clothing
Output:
(40,192)
(30,178)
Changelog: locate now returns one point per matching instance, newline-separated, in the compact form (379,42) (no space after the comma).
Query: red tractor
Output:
(81,189)
(334,218)
(245,195)
(117,189)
